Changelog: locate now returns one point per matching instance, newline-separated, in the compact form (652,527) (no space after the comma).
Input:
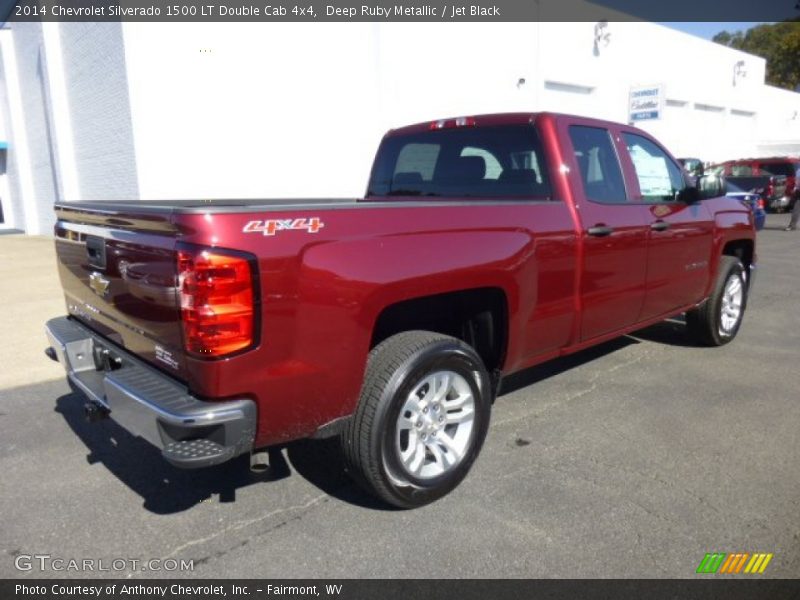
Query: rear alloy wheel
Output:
(434,427)
(716,321)
(421,419)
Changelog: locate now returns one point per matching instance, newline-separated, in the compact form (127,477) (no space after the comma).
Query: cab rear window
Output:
(485,162)
(787,169)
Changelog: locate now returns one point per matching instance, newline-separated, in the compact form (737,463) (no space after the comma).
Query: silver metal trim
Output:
(138,414)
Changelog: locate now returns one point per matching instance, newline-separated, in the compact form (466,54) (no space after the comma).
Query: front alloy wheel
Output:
(732,305)
(717,320)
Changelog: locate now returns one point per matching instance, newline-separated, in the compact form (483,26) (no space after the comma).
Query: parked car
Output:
(752,192)
(484,245)
(757,191)
(787,167)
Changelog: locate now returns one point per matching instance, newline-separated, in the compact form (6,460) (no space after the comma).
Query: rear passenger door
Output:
(614,233)
(680,235)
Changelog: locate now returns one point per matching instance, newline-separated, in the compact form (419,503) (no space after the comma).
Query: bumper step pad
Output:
(202,451)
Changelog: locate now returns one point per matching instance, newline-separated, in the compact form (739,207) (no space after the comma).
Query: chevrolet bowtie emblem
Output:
(99,284)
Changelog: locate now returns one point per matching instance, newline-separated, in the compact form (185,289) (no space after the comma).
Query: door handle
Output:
(659,226)
(600,230)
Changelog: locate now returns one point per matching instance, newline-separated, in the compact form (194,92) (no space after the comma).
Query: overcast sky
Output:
(709,30)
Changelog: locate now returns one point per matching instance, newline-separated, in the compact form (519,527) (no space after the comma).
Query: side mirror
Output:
(711,186)
(694,167)
(706,186)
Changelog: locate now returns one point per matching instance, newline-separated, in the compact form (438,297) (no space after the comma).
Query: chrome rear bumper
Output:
(190,432)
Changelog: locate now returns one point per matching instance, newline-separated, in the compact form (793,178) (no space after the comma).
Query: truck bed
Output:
(206,205)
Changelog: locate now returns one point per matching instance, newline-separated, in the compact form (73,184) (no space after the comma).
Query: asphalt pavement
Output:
(632,459)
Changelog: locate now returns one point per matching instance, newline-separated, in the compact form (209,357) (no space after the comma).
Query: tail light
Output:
(217,302)
(770,191)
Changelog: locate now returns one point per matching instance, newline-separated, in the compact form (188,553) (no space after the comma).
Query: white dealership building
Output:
(147,111)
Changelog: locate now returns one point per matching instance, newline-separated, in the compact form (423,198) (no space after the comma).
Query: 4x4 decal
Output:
(273,226)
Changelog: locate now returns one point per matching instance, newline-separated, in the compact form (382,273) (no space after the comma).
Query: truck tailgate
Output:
(119,275)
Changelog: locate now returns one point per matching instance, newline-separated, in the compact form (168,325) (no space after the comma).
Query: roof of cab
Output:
(495,119)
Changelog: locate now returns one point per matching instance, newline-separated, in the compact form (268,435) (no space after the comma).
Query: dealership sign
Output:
(645,103)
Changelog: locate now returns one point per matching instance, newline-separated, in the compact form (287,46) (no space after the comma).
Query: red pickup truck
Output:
(484,245)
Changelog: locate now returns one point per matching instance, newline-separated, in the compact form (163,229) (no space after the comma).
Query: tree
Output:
(778,43)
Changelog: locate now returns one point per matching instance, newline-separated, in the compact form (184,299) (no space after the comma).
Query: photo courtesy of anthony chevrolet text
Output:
(399,299)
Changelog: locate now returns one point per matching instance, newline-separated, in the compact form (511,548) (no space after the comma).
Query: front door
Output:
(680,234)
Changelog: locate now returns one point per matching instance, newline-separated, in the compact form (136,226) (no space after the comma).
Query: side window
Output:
(519,165)
(492,165)
(417,161)
(598,164)
(660,179)
(742,170)
(526,161)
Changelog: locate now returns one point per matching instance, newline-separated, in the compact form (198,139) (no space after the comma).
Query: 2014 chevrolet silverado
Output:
(484,245)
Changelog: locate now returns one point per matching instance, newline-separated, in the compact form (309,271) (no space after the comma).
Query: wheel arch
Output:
(743,249)
(477,316)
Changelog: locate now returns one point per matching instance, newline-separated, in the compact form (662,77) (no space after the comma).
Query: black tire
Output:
(394,368)
(704,323)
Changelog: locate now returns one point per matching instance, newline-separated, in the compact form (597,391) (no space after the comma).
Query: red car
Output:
(780,166)
(484,245)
